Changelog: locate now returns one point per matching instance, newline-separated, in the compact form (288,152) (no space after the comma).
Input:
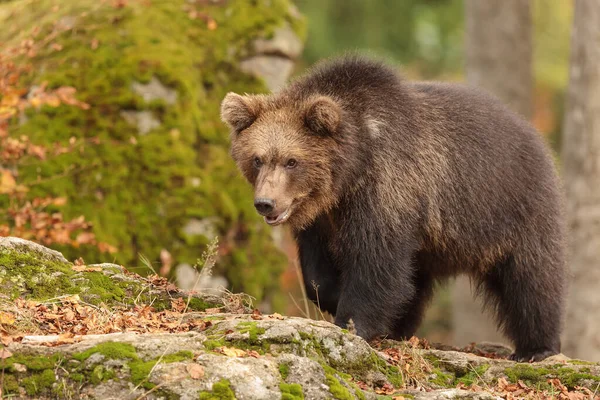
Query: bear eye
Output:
(257,162)
(291,163)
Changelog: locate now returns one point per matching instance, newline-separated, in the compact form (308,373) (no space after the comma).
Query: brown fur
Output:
(401,184)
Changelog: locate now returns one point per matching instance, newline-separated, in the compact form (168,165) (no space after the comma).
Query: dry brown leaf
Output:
(256,314)
(196,371)
(7,318)
(178,304)
(7,181)
(232,351)
(4,353)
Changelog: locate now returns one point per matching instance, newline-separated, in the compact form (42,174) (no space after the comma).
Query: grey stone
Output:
(145,121)
(25,246)
(155,90)
(284,43)
(189,279)
(201,227)
(273,70)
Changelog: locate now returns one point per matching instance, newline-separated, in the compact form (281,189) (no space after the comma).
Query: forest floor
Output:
(71,330)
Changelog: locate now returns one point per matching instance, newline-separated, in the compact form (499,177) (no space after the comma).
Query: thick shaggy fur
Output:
(398,185)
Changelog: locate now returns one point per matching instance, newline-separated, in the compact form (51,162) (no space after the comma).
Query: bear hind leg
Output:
(406,326)
(527,300)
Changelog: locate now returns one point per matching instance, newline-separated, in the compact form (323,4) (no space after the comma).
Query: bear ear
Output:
(322,115)
(239,112)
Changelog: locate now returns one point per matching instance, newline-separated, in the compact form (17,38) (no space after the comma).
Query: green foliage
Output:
(428,34)
(139,190)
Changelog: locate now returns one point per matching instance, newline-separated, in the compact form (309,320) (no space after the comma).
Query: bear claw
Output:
(532,356)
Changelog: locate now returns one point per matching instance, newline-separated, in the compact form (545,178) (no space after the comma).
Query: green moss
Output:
(472,376)
(111,350)
(10,384)
(252,329)
(526,373)
(32,277)
(101,374)
(442,379)
(337,390)
(284,371)
(140,371)
(182,355)
(220,391)
(358,391)
(571,378)
(213,344)
(581,362)
(77,377)
(532,375)
(139,196)
(104,287)
(291,391)
(196,304)
(25,275)
(39,383)
(332,375)
(33,363)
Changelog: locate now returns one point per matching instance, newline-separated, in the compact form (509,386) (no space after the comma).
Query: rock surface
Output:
(210,354)
(151,170)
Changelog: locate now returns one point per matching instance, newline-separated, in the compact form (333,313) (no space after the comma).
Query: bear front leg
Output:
(321,277)
(375,294)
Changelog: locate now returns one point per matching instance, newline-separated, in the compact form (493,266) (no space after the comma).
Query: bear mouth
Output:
(278,219)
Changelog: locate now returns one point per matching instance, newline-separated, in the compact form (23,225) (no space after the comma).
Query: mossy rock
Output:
(33,272)
(140,184)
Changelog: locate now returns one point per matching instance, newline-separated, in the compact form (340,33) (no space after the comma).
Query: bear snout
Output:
(264,206)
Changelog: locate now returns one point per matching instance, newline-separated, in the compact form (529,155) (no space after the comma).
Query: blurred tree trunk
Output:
(498,54)
(581,167)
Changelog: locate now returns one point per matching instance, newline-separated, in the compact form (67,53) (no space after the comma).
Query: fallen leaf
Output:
(277,316)
(7,318)
(178,305)
(253,353)
(256,314)
(196,371)
(7,181)
(5,354)
(232,351)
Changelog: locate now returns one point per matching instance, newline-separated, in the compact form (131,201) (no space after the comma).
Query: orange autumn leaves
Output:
(34,219)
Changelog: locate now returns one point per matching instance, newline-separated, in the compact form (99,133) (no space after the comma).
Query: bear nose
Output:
(264,206)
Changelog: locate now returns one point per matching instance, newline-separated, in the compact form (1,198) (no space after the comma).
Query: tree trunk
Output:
(498,54)
(581,163)
(499,50)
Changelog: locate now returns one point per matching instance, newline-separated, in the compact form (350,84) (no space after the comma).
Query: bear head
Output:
(286,149)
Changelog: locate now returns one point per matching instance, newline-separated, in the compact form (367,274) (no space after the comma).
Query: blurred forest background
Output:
(111,148)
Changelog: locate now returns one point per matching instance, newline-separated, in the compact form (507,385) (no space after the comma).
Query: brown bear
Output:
(391,186)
